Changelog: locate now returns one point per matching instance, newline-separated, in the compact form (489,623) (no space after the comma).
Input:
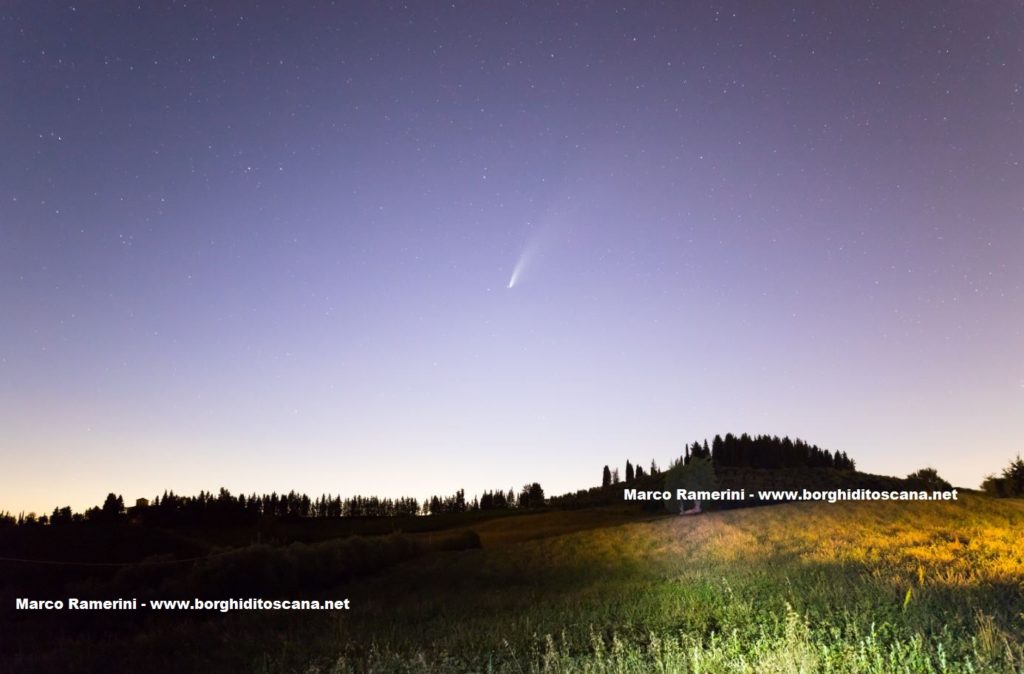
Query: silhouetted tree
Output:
(532,496)
(928,478)
(1010,483)
(606,477)
(112,509)
(61,516)
(630,474)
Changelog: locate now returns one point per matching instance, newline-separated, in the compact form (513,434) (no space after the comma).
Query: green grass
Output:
(873,587)
(869,587)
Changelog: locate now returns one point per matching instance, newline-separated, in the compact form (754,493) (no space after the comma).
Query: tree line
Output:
(764,451)
(1008,484)
(744,451)
(530,496)
(225,508)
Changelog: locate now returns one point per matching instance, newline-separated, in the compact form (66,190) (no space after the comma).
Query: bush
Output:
(1010,483)
(928,479)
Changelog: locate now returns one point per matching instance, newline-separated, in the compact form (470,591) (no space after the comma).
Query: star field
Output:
(269,247)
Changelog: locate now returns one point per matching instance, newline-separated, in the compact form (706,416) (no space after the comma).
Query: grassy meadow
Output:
(865,587)
(868,587)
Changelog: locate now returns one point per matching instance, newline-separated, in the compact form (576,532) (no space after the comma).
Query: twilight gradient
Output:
(269,248)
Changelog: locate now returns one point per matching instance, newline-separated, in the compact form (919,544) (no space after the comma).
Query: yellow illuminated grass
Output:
(864,587)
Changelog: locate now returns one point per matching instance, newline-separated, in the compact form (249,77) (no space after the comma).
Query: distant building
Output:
(135,512)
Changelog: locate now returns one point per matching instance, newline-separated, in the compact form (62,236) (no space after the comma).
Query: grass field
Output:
(869,587)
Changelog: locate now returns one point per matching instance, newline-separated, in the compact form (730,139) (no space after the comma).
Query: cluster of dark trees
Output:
(1009,484)
(744,451)
(530,496)
(769,451)
(225,508)
(611,475)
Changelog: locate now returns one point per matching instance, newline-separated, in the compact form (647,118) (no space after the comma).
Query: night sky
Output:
(270,247)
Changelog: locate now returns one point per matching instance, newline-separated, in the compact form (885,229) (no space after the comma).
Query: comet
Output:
(521,264)
(540,243)
(515,276)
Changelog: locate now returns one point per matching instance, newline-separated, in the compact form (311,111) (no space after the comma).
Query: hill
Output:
(744,478)
(811,587)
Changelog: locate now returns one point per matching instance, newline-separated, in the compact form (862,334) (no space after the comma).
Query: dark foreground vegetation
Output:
(864,587)
(520,582)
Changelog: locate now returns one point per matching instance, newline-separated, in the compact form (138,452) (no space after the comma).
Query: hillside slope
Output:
(851,587)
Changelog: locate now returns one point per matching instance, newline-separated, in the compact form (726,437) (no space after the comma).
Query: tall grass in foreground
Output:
(870,587)
(797,650)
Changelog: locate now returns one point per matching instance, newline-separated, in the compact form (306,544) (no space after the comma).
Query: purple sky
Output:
(270,248)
